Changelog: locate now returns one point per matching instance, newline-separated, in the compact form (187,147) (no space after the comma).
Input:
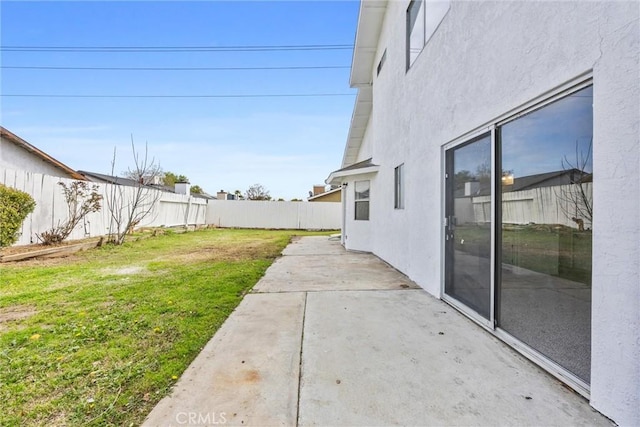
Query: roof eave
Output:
(370,21)
(358,126)
(367,34)
(334,177)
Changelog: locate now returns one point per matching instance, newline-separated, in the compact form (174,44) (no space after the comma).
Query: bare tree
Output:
(129,205)
(576,198)
(154,175)
(81,200)
(257,192)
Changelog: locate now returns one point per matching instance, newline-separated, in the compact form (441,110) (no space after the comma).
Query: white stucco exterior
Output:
(13,156)
(18,154)
(485,61)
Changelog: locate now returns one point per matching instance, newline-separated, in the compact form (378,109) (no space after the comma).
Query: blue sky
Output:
(287,144)
(539,142)
(542,141)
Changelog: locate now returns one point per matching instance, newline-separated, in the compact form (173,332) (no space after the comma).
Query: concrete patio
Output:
(329,337)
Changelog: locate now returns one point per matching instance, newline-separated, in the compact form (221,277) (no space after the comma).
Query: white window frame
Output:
(360,199)
(413,50)
(430,15)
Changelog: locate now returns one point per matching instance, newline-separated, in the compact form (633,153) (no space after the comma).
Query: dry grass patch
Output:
(225,253)
(11,314)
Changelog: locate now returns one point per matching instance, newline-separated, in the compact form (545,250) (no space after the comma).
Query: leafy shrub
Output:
(81,199)
(15,205)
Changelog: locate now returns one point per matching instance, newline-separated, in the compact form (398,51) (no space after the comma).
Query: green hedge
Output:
(15,205)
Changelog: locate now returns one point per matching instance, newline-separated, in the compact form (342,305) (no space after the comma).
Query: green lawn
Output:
(100,337)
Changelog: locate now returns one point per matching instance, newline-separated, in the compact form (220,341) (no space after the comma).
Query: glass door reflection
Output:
(468,225)
(546,222)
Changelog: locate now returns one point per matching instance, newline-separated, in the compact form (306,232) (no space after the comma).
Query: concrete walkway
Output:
(335,338)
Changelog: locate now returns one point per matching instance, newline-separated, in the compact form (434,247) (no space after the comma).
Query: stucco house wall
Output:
(15,157)
(485,60)
(17,154)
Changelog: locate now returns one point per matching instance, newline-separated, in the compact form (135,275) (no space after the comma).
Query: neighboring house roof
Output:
(319,197)
(360,168)
(11,137)
(204,195)
(109,179)
(562,177)
(118,180)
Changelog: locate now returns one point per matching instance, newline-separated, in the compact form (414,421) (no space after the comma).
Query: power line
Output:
(279,95)
(38,67)
(257,48)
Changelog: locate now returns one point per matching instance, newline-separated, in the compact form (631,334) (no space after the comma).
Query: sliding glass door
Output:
(468,229)
(546,229)
(534,283)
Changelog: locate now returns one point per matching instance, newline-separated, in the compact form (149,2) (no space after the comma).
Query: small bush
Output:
(15,205)
(81,199)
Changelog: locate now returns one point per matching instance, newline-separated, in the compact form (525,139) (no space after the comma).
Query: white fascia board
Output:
(333,178)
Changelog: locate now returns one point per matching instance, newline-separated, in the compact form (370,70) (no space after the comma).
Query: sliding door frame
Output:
(469,312)
(493,324)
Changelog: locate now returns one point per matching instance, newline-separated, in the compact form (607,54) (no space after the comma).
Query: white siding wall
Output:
(51,208)
(277,215)
(14,157)
(461,81)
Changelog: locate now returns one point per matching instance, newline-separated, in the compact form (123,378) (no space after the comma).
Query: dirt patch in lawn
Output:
(44,260)
(224,253)
(11,250)
(10,314)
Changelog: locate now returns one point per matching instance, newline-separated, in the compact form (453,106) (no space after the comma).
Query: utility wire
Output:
(279,95)
(265,48)
(38,67)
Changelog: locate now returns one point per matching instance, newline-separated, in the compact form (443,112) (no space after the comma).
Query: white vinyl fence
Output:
(274,215)
(51,207)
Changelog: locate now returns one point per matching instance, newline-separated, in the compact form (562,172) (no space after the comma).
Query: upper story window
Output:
(423,18)
(415,30)
(399,187)
(362,200)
